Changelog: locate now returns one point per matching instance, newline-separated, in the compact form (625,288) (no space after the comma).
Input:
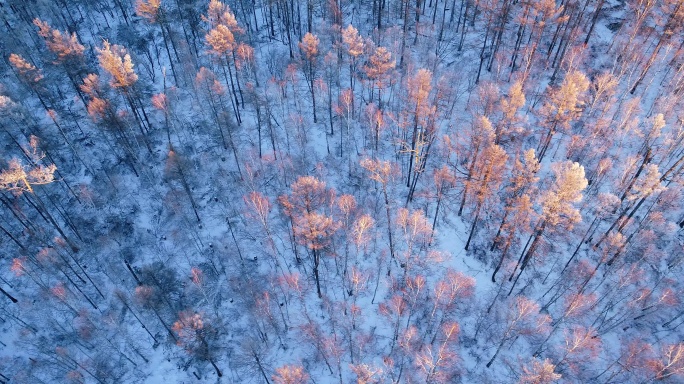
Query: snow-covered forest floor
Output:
(307,191)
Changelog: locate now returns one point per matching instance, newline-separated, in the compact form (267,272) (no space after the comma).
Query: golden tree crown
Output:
(117,62)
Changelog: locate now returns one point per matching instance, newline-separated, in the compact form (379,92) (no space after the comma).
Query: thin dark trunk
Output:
(8,295)
(597,12)
(261,368)
(504,253)
(434,221)
(168,53)
(233,92)
(218,371)
(311,88)
(316,258)
(482,51)
(441,26)
(123,301)
(237,81)
(465,23)
(529,254)
(499,33)
(258,111)
(186,187)
(472,227)
(498,349)
(381,3)
(6,232)
(43,210)
(129,100)
(389,222)
(574,254)
(518,40)
(420,167)
(413,146)
(522,254)
(666,34)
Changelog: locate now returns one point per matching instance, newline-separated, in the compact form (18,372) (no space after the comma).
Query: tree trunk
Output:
(8,295)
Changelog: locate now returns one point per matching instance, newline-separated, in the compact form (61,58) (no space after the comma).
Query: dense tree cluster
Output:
(299,191)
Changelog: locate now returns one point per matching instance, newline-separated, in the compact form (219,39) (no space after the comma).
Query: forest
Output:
(341,191)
